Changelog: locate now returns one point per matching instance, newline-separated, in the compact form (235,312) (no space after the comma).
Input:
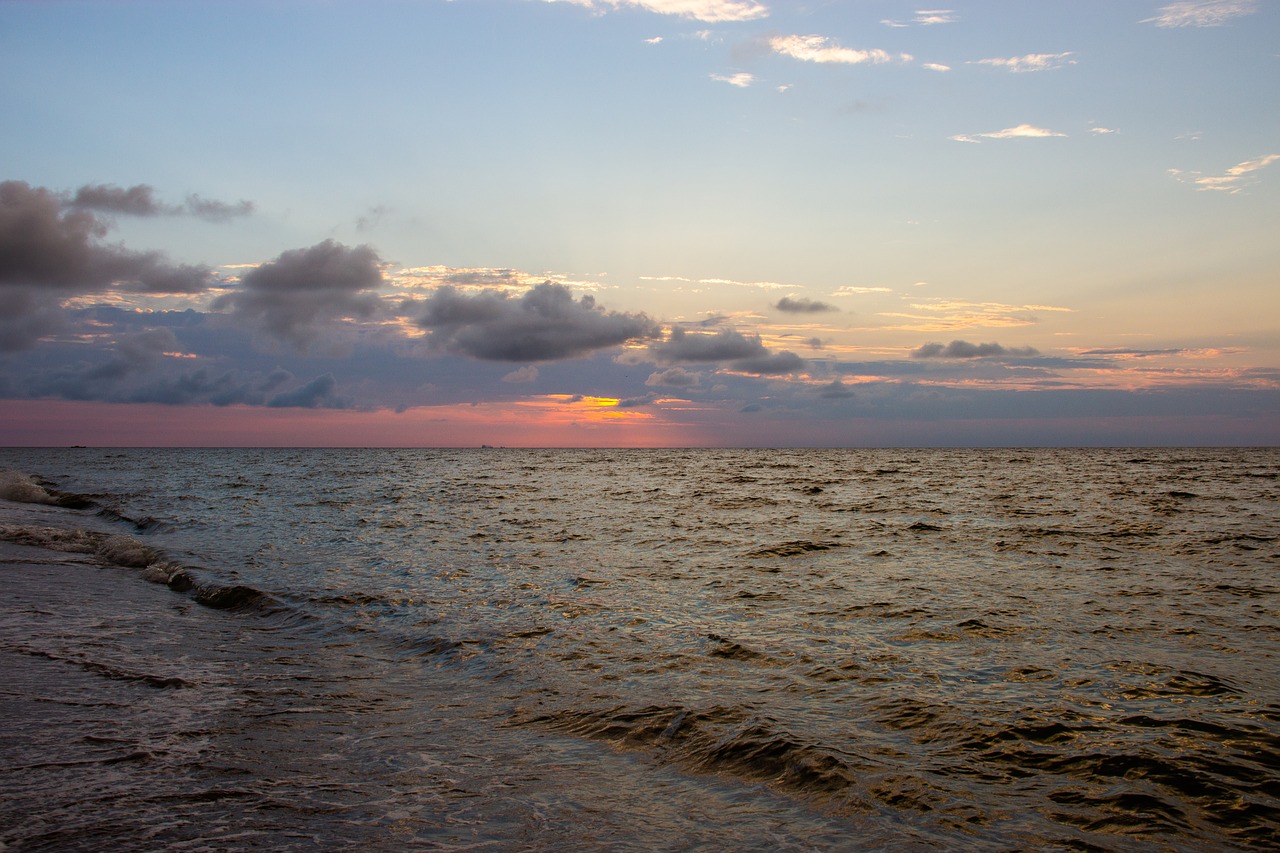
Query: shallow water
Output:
(983,649)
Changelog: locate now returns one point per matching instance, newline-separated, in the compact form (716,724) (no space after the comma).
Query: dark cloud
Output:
(835,390)
(50,252)
(26,316)
(135,352)
(803,306)
(316,394)
(672,377)
(637,402)
(291,296)
(140,200)
(772,364)
(964,349)
(134,201)
(730,348)
(724,345)
(544,324)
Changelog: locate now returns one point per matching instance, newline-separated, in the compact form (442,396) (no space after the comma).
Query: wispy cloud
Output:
(411,279)
(943,315)
(1030,62)
(1022,131)
(742,79)
(710,11)
(1233,181)
(1201,13)
(857,291)
(1102,131)
(925,18)
(822,49)
(935,66)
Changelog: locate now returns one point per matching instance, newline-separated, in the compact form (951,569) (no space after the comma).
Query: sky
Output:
(639,223)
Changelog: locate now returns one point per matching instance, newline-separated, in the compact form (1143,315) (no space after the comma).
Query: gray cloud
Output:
(672,377)
(772,364)
(801,305)
(835,390)
(216,211)
(727,347)
(316,394)
(1134,353)
(964,349)
(290,297)
(50,252)
(26,316)
(135,352)
(544,324)
(140,200)
(134,201)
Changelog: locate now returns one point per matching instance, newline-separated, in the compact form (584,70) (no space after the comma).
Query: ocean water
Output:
(642,650)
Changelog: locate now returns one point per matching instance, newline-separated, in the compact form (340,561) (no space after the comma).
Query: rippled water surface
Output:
(809,649)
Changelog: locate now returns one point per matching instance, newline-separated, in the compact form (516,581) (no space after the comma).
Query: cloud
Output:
(1233,181)
(1031,62)
(51,251)
(216,211)
(822,49)
(1201,13)
(1022,131)
(26,316)
(135,352)
(801,305)
(316,394)
(544,324)
(729,348)
(528,373)
(292,295)
(857,291)
(710,11)
(672,377)
(964,349)
(935,66)
(835,390)
(925,18)
(742,79)
(942,315)
(140,200)
(135,201)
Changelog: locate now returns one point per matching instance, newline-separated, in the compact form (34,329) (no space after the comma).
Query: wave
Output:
(114,549)
(21,488)
(717,739)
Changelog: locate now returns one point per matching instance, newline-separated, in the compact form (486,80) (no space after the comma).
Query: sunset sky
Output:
(639,222)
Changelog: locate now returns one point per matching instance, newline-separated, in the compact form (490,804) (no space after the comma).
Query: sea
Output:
(637,650)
